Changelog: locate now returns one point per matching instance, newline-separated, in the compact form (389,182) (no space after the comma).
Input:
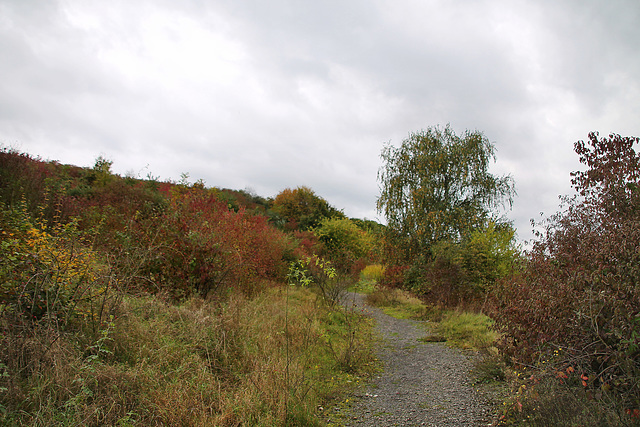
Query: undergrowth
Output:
(538,395)
(131,302)
(196,363)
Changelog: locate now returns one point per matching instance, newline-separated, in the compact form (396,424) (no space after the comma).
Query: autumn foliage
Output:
(208,248)
(128,301)
(173,239)
(445,240)
(577,295)
(302,209)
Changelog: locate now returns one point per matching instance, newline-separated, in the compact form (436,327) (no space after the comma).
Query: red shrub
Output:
(207,248)
(579,289)
(393,276)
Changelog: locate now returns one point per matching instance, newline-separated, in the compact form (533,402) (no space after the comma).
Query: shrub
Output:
(393,276)
(302,208)
(48,274)
(464,272)
(344,242)
(578,289)
(209,248)
(373,272)
(57,299)
(23,178)
(320,273)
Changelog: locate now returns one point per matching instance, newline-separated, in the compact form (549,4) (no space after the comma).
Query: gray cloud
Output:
(286,93)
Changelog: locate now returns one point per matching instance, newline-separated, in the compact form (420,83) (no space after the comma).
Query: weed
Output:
(539,399)
(490,369)
(197,363)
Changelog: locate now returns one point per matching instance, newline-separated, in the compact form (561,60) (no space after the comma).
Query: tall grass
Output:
(468,330)
(197,363)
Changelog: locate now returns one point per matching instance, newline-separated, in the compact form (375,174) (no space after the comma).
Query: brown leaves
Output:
(578,287)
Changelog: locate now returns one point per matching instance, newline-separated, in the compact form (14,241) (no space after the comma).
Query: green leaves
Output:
(344,242)
(437,186)
(303,209)
(298,273)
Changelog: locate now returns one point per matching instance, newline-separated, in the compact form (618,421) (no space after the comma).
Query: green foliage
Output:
(298,274)
(103,166)
(462,272)
(437,186)
(468,330)
(303,209)
(490,254)
(373,272)
(344,242)
(321,273)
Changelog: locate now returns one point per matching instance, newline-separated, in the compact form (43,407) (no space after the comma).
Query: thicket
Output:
(571,313)
(324,233)
(138,302)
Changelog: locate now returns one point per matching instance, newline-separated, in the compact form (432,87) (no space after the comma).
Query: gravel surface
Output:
(422,384)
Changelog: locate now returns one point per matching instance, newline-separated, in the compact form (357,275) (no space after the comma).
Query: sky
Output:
(263,96)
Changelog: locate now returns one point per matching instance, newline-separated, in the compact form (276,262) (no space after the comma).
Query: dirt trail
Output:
(423,384)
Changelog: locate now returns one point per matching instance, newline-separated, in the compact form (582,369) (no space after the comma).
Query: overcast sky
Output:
(250,94)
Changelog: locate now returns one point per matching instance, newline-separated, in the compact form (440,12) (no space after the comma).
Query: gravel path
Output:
(422,384)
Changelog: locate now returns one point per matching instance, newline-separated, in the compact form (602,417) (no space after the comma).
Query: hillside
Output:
(137,302)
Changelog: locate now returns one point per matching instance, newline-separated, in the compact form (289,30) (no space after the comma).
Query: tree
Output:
(437,186)
(466,271)
(101,172)
(302,208)
(611,182)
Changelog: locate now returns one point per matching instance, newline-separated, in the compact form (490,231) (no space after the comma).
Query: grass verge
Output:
(463,329)
(458,328)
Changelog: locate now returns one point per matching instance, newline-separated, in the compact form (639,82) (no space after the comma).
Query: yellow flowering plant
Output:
(47,273)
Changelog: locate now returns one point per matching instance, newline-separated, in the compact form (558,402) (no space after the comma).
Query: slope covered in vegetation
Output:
(138,302)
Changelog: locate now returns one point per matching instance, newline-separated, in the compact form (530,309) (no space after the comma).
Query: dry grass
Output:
(271,360)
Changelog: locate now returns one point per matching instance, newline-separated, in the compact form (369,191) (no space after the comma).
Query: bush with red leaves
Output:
(580,287)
